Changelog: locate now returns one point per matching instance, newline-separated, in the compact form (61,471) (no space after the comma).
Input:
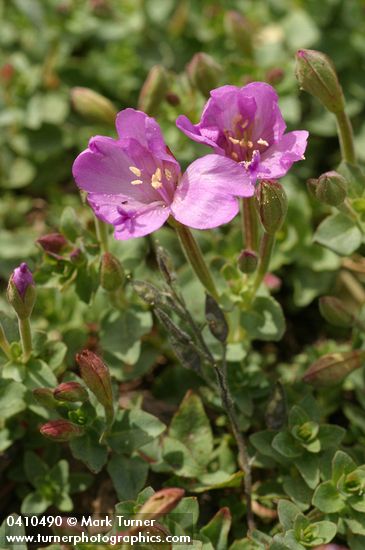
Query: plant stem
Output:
(4,343)
(25,337)
(346,137)
(196,259)
(102,235)
(266,247)
(243,456)
(250,226)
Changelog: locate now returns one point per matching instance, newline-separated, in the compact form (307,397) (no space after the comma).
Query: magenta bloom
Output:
(135,183)
(246,125)
(22,278)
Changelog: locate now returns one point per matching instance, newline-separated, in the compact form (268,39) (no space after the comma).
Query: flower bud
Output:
(45,397)
(90,104)
(71,392)
(247,261)
(96,376)
(204,72)
(154,90)
(240,30)
(331,369)
(77,257)
(60,430)
(162,502)
(271,204)
(335,312)
(331,188)
(215,318)
(111,272)
(316,75)
(52,243)
(275,75)
(21,291)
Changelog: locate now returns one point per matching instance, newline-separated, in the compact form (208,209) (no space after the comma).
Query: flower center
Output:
(240,145)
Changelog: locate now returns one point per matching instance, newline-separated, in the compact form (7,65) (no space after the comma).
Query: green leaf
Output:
(287,512)
(342,464)
(285,444)
(308,466)
(39,375)
(356,523)
(218,528)
(339,233)
(297,417)
(128,475)
(265,319)
(35,503)
(330,436)
(11,398)
(35,468)
(327,499)
(324,532)
(88,449)
(180,459)
(133,429)
(15,530)
(121,333)
(190,425)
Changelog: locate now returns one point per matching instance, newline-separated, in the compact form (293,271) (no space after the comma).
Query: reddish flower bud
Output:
(21,291)
(274,76)
(52,243)
(316,75)
(70,391)
(111,272)
(247,261)
(96,376)
(331,369)
(162,502)
(204,72)
(60,430)
(272,281)
(154,90)
(271,204)
(92,105)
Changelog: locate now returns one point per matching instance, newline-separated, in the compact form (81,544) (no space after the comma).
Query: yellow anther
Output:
(233,140)
(156,179)
(262,142)
(250,144)
(136,171)
(234,156)
(168,174)
(244,124)
(136,182)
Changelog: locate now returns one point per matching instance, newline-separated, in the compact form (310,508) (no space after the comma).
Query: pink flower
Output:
(246,125)
(135,183)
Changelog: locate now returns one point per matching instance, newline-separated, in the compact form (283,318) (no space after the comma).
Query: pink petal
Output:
(278,159)
(136,125)
(130,219)
(104,168)
(205,197)
(269,123)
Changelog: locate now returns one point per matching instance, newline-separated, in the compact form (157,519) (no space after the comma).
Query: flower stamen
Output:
(156,179)
(136,171)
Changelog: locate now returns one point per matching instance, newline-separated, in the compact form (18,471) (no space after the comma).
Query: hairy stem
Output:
(250,225)
(25,337)
(196,259)
(4,343)
(102,235)
(243,456)
(346,137)
(266,247)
